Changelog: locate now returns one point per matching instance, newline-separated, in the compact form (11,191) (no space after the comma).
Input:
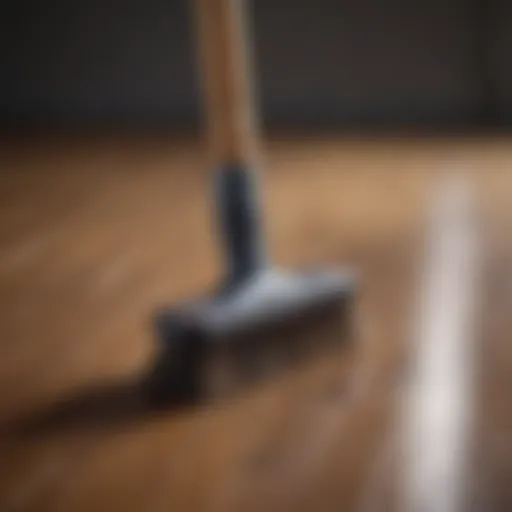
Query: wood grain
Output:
(223,45)
(97,232)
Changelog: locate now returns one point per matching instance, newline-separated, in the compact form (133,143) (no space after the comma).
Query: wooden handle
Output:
(223,52)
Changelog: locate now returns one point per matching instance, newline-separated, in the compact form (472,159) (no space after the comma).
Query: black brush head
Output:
(215,346)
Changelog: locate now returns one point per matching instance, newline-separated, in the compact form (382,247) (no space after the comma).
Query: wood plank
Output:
(95,233)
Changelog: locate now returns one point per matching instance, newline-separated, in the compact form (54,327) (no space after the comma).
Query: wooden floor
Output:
(97,233)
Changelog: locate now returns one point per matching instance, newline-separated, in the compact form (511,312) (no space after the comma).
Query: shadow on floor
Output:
(116,404)
(103,406)
(176,383)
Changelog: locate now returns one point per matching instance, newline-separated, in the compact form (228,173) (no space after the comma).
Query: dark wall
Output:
(98,59)
(340,62)
(500,59)
(367,60)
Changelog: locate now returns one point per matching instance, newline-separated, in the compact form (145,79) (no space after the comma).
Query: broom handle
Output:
(231,132)
(224,64)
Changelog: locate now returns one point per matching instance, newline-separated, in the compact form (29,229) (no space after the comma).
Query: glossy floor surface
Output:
(95,233)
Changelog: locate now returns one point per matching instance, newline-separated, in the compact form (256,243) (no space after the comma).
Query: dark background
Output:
(344,63)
